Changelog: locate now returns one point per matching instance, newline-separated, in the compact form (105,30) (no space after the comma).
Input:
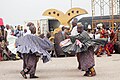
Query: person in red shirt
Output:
(104,34)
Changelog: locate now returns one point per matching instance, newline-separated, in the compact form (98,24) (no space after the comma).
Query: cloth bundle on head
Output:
(79,24)
(67,27)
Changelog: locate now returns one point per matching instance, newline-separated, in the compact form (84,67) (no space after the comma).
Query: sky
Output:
(15,12)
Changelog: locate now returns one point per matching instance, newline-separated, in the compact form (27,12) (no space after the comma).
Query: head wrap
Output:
(89,27)
(79,25)
(31,26)
(61,26)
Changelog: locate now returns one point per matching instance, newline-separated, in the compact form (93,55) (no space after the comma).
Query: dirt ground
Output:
(107,68)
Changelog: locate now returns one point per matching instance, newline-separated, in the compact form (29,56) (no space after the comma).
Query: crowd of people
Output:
(8,35)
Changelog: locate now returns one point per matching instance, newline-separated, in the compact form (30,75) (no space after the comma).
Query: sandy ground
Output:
(107,68)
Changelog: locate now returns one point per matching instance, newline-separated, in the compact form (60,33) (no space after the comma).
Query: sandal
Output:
(23,74)
(93,73)
(33,76)
(87,74)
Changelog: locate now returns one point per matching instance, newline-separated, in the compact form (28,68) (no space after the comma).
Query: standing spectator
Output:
(1,37)
(25,32)
(74,32)
(60,36)
(4,43)
(18,32)
(89,30)
(1,49)
(74,22)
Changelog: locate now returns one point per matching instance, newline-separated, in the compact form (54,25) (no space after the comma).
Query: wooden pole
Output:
(112,14)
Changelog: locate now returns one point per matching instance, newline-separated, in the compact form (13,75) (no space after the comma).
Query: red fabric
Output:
(1,22)
(112,34)
(103,34)
(1,57)
(110,47)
